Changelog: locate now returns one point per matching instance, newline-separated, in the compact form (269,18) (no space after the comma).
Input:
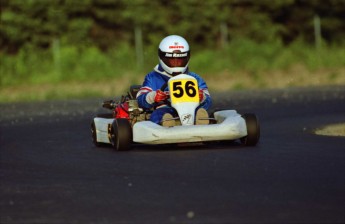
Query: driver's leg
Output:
(164,116)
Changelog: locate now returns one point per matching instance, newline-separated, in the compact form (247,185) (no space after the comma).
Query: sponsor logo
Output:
(176,47)
(176,55)
(186,117)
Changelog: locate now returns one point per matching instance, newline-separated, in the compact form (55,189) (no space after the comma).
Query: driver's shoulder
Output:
(194,74)
(198,77)
(155,74)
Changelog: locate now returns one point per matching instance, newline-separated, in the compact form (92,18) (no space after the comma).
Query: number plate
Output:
(184,90)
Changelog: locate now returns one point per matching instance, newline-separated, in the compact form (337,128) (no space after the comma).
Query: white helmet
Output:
(174,54)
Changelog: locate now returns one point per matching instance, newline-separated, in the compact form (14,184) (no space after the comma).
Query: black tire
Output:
(94,134)
(121,134)
(253,130)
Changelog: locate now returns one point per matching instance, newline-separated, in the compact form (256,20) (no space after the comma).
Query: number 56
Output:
(179,90)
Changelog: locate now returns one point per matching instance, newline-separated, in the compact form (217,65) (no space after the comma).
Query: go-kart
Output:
(130,124)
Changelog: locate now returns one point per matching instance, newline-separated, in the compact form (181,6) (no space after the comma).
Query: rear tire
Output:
(121,134)
(253,130)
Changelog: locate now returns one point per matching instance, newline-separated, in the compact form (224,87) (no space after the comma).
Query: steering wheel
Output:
(164,86)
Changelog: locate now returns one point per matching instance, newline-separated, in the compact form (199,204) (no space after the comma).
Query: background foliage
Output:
(84,40)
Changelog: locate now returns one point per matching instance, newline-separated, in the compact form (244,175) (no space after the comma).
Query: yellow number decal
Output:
(184,90)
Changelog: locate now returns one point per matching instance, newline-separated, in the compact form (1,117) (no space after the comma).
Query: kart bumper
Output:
(102,128)
(230,126)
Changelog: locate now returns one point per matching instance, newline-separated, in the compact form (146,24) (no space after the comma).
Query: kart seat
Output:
(133,90)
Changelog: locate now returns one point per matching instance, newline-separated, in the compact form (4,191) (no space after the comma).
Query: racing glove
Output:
(160,96)
(202,96)
(156,96)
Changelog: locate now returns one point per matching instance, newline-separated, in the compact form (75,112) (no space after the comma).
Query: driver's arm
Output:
(148,97)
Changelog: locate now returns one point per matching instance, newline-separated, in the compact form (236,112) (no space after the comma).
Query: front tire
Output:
(121,134)
(253,130)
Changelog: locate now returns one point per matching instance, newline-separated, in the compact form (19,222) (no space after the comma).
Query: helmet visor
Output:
(174,59)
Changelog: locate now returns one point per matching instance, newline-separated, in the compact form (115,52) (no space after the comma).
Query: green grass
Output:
(54,74)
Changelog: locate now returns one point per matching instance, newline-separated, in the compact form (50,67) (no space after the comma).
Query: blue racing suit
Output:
(154,81)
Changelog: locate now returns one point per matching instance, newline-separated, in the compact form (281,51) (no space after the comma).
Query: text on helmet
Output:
(176,47)
(176,55)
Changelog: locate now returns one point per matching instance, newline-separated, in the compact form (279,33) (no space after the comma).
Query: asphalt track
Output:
(51,172)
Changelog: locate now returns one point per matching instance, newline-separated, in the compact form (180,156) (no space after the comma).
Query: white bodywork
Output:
(230,126)
(102,126)
(185,107)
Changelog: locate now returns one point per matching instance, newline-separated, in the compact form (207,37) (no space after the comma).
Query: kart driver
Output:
(174,54)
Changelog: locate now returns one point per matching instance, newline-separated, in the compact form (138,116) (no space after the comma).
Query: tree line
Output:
(36,24)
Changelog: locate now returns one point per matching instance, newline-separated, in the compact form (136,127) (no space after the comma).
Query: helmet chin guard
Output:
(174,54)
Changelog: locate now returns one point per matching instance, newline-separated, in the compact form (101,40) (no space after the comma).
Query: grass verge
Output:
(297,76)
(77,72)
